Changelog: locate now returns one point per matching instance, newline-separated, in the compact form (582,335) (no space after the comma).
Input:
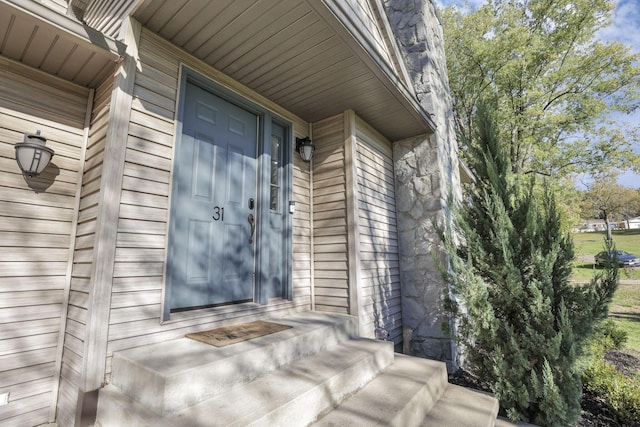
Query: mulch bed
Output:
(595,412)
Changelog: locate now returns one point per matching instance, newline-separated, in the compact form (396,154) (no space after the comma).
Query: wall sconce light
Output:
(32,155)
(305,148)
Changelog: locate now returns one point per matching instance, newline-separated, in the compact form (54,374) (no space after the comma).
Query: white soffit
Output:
(42,38)
(306,55)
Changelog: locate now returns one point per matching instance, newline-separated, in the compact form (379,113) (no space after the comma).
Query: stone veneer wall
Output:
(426,173)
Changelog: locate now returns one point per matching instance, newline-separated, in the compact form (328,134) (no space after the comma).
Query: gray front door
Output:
(211,241)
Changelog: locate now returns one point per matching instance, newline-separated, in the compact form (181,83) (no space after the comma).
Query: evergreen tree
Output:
(520,320)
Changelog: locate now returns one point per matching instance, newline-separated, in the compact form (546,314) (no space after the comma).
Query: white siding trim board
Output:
(102,270)
(355,292)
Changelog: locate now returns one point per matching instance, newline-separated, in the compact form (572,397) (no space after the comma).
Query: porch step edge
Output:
(463,407)
(400,396)
(304,390)
(173,375)
(115,409)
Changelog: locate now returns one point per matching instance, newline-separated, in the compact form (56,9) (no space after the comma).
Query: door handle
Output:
(252,222)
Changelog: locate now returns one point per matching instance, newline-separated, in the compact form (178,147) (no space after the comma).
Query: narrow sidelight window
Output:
(276,173)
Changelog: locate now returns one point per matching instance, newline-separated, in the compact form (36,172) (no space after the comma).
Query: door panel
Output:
(211,253)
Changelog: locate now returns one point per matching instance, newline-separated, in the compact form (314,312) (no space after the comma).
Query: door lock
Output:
(251,204)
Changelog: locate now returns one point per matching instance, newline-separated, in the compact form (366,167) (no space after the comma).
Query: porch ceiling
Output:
(35,35)
(296,53)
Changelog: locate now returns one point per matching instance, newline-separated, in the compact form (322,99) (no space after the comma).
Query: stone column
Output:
(426,170)
(419,206)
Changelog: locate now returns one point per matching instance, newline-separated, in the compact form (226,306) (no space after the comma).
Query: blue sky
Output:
(625,28)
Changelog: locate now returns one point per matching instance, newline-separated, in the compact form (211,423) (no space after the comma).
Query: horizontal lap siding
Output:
(144,213)
(144,205)
(35,225)
(330,217)
(363,18)
(379,263)
(73,351)
(301,264)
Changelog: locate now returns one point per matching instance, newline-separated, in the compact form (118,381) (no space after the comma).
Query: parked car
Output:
(625,259)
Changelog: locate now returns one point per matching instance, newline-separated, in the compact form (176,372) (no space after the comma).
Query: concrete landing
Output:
(169,376)
(316,372)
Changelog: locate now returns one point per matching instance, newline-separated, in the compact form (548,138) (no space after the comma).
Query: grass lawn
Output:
(625,307)
(589,244)
(625,310)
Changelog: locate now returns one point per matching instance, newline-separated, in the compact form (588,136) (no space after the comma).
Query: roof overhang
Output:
(313,57)
(42,38)
(342,23)
(309,56)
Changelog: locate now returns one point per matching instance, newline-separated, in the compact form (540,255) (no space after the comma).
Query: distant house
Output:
(634,223)
(592,225)
(177,200)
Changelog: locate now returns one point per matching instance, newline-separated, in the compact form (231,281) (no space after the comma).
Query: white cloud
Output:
(626,25)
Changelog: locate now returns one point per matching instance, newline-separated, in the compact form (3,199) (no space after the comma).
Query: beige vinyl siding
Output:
(356,270)
(364,19)
(330,217)
(302,232)
(378,235)
(36,219)
(73,349)
(369,23)
(144,206)
(137,294)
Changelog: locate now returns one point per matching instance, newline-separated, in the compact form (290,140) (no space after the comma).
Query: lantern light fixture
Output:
(305,148)
(32,155)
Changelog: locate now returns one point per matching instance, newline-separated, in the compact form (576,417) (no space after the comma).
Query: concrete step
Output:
(117,409)
(399,396)
(173,375)
(294,395)
(463,407)
(316,373)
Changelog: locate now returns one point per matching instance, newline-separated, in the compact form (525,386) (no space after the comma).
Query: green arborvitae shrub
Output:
(521,322)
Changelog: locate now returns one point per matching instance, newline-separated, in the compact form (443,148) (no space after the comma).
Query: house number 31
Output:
(218,213)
